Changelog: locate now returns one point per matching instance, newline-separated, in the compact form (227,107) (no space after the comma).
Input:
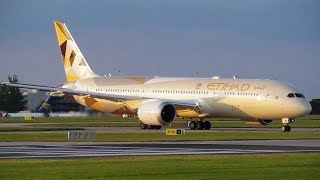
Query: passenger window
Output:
(290,95)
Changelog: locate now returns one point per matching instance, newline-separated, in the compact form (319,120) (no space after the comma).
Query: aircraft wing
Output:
(180,104)
(68,91)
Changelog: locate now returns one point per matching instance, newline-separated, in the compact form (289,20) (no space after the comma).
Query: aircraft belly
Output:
(269,110)
(189,113)
(107,106)
(252,109)
(240,108)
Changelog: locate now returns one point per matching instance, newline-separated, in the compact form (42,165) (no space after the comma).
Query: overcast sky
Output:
(252,39)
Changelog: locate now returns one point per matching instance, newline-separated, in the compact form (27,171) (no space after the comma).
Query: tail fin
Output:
(75,65)
(45,107)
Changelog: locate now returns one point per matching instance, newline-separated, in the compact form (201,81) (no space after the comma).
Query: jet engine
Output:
(155,112)
(258,122)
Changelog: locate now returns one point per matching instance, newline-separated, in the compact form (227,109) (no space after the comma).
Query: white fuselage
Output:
(242,98)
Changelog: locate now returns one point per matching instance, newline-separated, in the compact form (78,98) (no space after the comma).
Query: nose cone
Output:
(297,108)
(303,108)
(308,108)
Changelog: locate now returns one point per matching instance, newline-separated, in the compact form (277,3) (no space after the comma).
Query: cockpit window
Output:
(299,95)
(290,95)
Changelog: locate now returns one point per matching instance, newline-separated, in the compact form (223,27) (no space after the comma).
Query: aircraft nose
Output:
(304,108)
(308,108)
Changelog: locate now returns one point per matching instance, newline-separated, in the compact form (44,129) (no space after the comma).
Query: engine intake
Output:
(157,112)
(265,122)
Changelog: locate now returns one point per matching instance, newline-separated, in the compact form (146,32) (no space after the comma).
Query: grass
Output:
(83,125)
(88,124)
(216,124)
(80,123)
(68,119)
(155,137)
(275,124)
(258,166)
(35,129)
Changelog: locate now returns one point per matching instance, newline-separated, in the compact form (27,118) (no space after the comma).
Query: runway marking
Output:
(64,151)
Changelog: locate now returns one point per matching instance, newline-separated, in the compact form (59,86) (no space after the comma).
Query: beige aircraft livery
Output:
(160,100)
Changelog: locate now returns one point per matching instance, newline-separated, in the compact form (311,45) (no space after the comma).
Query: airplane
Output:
(158,101)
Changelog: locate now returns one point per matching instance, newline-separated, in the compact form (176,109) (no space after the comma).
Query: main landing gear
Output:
(286,127)
(199,125)
(194,125)
(146,126)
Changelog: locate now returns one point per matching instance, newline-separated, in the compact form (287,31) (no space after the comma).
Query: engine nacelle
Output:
(258,122)
(155,112)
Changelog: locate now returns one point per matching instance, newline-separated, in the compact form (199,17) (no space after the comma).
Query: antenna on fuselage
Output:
(196,74)
(109,74)
(274,77)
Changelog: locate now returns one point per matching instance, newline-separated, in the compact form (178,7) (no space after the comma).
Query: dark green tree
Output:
(315,103)
(11,100)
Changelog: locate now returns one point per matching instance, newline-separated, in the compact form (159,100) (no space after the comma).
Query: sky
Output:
(256,39)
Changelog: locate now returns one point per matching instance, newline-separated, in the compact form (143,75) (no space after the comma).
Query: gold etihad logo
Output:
(228,86)
(234,86)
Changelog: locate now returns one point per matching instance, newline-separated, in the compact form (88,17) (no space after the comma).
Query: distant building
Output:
(57,104)
(34,98)
(61,104)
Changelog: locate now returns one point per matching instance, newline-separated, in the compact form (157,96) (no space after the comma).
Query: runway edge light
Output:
(175,132)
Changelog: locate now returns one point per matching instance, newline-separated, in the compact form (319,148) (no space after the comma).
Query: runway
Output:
(76,150)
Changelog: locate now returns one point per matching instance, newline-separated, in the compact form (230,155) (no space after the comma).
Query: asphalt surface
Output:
(76,150)
(138,130)
(17,150)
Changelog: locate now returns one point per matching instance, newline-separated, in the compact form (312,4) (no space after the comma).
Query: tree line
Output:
(11,99)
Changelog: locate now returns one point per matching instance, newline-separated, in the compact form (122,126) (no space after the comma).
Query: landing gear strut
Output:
(286,127)
(199,125)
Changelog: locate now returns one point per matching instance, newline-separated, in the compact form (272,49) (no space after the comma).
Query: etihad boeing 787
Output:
(160,100)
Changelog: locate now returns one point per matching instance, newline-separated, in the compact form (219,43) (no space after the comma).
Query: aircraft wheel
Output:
(193,125)
(150,126)
(143,125)
(207,125)
(286,128)
(200,125)
(157,127)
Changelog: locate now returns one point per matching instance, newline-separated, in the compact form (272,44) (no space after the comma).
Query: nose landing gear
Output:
(286,127)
